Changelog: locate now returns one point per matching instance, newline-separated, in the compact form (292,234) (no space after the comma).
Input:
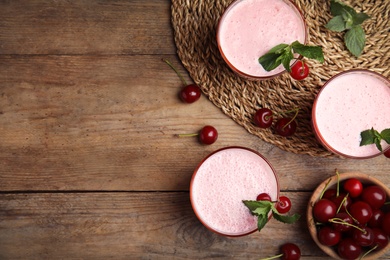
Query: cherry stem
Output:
(302,72)
(338,183)
(177,72)
(342,222)
(369,251)
(325,188)
(272,257)
(296,110)
(342,203)
(187,135)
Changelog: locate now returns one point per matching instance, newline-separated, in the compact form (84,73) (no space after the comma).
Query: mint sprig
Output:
(262,208)
(372,136)
(345,18)
(283,54)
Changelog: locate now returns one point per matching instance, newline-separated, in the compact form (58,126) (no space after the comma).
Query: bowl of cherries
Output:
(348,216)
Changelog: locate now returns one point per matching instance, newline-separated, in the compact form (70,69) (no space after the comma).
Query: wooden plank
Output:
(155,225)
(109,123)
(85,27)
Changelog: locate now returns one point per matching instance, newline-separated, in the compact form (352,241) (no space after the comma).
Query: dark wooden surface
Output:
(90,167)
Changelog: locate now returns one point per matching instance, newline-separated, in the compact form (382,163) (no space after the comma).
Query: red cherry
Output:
(361,211)
(291,252)
(264,196)
(342,198)
(344,222)
(363,238)
(386,224)
(190,93)
(376,219)
(263,118)
(380,238)
(387,153)
(374,195)
(354,187)
(299,70)
(285,126)
(349,249)
(283,205)
(208,135)
(329,236)
(329,194)
(324,210)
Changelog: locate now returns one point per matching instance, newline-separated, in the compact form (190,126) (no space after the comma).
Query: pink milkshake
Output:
(222,181)
(349,103)
(250,28)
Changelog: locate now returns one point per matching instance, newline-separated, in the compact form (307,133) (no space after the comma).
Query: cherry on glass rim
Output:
(283,205)
(299,70)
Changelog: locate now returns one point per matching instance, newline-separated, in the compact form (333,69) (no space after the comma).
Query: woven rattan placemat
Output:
(195,22)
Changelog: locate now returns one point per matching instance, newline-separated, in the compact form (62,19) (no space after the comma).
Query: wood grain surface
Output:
(90,167)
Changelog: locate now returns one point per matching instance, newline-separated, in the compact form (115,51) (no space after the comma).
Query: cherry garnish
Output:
(207,135)
(387,153)
(263,196)
(190,92)
(299,70)
(283,205)
(263,118)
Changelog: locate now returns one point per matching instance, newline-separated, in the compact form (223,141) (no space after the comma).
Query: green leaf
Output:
(311,52)
(261,221)
(278,49)
(270,61)
(258,207)
(360,18)
(367,137)
(286,218)
(378,144)
(339,8)
(355,39)
(385,134)
(286,60)
(336,24)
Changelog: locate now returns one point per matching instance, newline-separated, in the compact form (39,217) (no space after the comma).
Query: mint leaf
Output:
(278,49)
(261,221)
(257,205)
(286,218)
(355,40)
(284,54)
(372,136)
(367,137)
(385,134)
(270,61)
(311,52)
(360,18)
(336,24)
(338,8)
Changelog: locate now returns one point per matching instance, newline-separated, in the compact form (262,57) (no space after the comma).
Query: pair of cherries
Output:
(285,126)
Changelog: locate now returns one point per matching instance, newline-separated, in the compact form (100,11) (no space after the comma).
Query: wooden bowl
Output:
(331,182)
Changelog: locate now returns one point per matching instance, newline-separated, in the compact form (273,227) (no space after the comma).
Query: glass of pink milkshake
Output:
(349,103)
(222,181)
(248,29)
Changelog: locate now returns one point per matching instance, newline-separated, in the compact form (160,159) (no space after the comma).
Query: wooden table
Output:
(90,167)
